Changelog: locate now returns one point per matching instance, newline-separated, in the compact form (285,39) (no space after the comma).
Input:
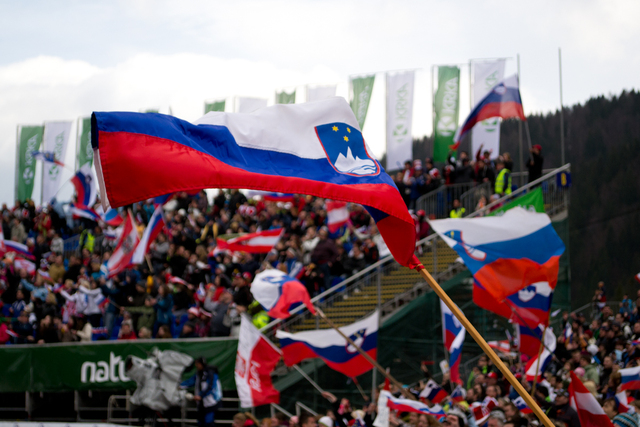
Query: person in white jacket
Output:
(86,300)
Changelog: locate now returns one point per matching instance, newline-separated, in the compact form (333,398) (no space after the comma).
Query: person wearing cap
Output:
(534,164)
(562,411)
(455,418)
(626,419)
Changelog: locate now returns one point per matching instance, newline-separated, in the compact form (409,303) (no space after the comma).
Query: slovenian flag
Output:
(47,156)
(458,394)
(408,405)
(529,339)
(155,226)
(314,148)
(279,293)
(453,336)
(18,248)
(433,392)
(337,215)
(332,348)
(585,404)
(545,357)
(517,400)
(506,253)
(83,212)
(85,185)
(502,101)
(254,243)
(630,379)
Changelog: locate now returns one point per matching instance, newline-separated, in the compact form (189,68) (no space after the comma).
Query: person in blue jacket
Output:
(207,391)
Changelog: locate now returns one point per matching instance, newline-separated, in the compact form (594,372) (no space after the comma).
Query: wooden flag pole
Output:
(484,346)
(366,356)
(535,379)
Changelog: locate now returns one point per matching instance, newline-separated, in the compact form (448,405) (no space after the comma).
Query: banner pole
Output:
(366,356)
(484,346)
(17,174)
(535,378)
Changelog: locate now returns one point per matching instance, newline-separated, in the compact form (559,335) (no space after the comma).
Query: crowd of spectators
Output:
(184,289)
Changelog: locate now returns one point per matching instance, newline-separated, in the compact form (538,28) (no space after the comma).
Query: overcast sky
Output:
(62,60)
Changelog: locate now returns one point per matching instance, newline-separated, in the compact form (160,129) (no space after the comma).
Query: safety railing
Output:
(300,407)
(440,201)
(470,198)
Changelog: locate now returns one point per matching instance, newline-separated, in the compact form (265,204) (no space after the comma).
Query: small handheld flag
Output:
(277,293)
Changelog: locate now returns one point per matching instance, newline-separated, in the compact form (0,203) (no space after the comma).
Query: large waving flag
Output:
(254,243)
(506,253)
(503,101)
(630,379)
(545,357)
(279,293)
(155,226)
(328,345)
(453,336)
(314,148)
(585,404)
(121,256)
(408,405)
(255,360)
(85,187)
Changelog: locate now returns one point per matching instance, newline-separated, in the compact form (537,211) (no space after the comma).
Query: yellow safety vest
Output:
(500,184)
(457,213)
(260,319)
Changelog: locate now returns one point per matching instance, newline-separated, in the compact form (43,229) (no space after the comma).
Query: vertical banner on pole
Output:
(485,75)
(399,119)
(214,106)
(249,105)
(56,139)
(286,98)
(85,151)
(360,89)
(29,140)
(318,93)
(446,105)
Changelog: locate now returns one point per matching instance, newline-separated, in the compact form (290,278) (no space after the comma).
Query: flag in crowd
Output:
(622,402)
(46,156)
(529,339)
(129,239)
(111,217)
(630,378)
(409,405)
(17,248)
(332,348)
(458,394)
(506,253)
(433,392)
(453,336)
(78,212)
(585,404)
(485,74)
(85,185)
(313,148)
(533,368)
(255,359)
(503,346)
(517,400)
(153,228)
(337,215)
(279,293)
(25,264)
(260,242)
(482,410)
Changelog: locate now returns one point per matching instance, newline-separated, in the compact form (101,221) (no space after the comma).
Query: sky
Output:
(62,60)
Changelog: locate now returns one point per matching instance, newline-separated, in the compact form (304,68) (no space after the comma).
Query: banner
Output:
(29,140)
(399,119)
(214,106)
(532,201)
(446,109)
(286,98)
(84,152)
(485,75)
(249,105)
(360,89)
(56,138)
(319,93)
(100,365)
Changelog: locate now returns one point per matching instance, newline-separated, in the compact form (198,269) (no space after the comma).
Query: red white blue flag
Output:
(279,293)
(47,156)
(458,394)
(85,185)
(529,339)
(331,347)
(533,368)
(517,400)
(630,379)
(453,336)
(254,243)
(433,392)
(506,253)
(314,148)
(502,101)
(83,212)
(155,226)
(16,247)
(408,405)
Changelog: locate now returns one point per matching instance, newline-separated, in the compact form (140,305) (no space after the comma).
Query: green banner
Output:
(29,140)
(446,107)
(361,89)
(286,98)
(100,365)
(532,201)
(85,150)
(152,110)
(214,106)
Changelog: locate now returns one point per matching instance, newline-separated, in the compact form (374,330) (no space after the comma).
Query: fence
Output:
(440,201)
(72,245)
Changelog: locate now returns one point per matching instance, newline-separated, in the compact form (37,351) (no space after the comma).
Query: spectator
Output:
(534,164)
(503,180)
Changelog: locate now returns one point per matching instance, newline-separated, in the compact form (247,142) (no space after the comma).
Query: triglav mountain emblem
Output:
(346,150)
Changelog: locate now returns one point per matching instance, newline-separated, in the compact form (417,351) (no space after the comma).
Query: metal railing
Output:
(439,201)
(72,245)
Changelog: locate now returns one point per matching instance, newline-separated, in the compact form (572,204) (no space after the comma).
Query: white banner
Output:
(399,119)
(318,93)
(249,105)
(56,138)
(485,75)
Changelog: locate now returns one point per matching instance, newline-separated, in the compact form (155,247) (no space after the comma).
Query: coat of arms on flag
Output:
(346,150)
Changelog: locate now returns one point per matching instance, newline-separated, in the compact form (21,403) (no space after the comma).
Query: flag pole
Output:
(366,356)
(535,378)
(484,346)
(306,377)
